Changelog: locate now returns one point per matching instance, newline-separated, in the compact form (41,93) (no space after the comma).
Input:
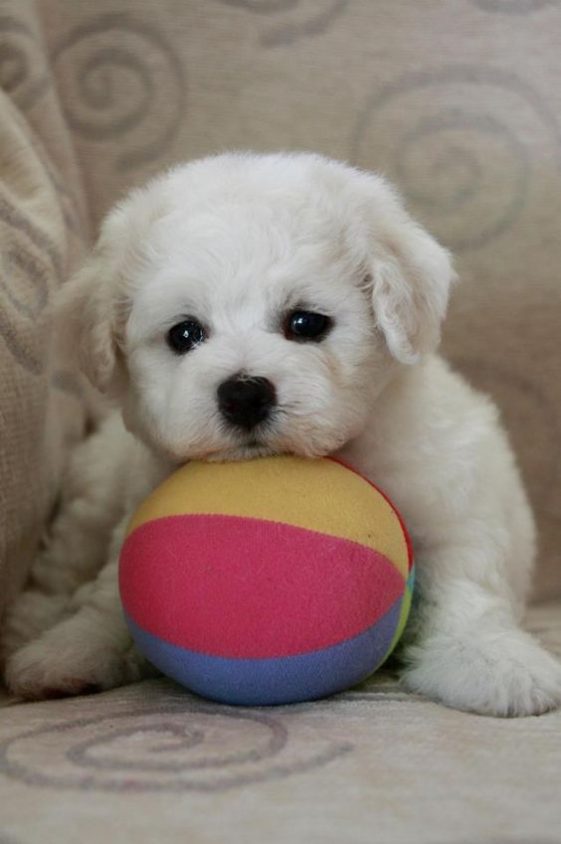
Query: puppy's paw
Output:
(504,674)
(31,614)
(72,660)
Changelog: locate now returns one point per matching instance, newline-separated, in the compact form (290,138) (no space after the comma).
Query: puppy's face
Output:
(249,305)
(249,334)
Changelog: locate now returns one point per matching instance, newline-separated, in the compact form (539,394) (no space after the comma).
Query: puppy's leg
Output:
(77,544)
(32,613)
(475,561)
(90,650)
(439,450)
(467,648)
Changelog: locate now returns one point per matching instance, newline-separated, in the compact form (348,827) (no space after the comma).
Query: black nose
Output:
(245,402)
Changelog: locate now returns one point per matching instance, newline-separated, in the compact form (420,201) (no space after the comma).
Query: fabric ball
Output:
(268,581)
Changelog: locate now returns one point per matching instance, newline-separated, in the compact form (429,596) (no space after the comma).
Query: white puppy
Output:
(245,305)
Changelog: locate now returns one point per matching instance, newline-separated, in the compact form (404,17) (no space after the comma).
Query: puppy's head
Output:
(244,305)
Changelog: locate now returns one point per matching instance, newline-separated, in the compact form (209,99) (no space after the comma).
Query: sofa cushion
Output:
(40,400)
(152,763)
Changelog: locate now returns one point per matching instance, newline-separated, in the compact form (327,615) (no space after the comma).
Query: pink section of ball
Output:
(246,588)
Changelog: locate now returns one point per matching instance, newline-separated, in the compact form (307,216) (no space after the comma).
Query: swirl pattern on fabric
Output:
(456,141)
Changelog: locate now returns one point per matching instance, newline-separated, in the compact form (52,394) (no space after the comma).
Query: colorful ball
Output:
(269,581)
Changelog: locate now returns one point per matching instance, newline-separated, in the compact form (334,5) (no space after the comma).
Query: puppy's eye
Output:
(185,336)
(307,326)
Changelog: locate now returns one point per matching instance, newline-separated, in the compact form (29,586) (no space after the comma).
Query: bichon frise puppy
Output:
(246,305)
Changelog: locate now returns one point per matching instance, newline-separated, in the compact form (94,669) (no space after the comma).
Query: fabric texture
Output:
(152,763)
(41,237)
(329,590)
(459,103)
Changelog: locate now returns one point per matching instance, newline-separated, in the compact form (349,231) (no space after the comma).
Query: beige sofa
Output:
(460,103)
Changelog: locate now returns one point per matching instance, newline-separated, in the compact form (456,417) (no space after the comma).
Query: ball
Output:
(269,581)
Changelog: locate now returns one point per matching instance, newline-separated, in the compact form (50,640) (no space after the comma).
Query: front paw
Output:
(31,615)
(507,674)
(64,662)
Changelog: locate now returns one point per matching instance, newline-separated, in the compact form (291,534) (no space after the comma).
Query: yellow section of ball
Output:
(319,495)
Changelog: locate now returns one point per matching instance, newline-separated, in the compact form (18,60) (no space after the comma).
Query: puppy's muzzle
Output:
(245,402)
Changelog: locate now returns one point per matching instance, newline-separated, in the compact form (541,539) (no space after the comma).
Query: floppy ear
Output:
(86,321)
(87,315)
(410,276)
(93,306)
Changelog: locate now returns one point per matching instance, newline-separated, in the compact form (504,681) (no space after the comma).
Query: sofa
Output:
(459,103)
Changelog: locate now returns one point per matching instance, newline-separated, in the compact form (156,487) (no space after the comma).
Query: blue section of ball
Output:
(264,682)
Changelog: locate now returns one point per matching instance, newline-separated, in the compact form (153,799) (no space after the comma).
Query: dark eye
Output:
(307,325)
(185,336)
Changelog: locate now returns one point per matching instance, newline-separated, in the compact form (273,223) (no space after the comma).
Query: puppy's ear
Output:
(93,306)
(87,319)
(87,311)
(409,279)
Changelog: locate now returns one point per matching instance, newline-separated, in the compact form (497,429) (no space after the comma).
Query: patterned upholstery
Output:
(150,763)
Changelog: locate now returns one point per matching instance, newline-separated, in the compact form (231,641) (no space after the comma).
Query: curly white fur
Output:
(237,241)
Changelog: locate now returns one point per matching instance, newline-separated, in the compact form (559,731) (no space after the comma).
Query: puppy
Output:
(247,305)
